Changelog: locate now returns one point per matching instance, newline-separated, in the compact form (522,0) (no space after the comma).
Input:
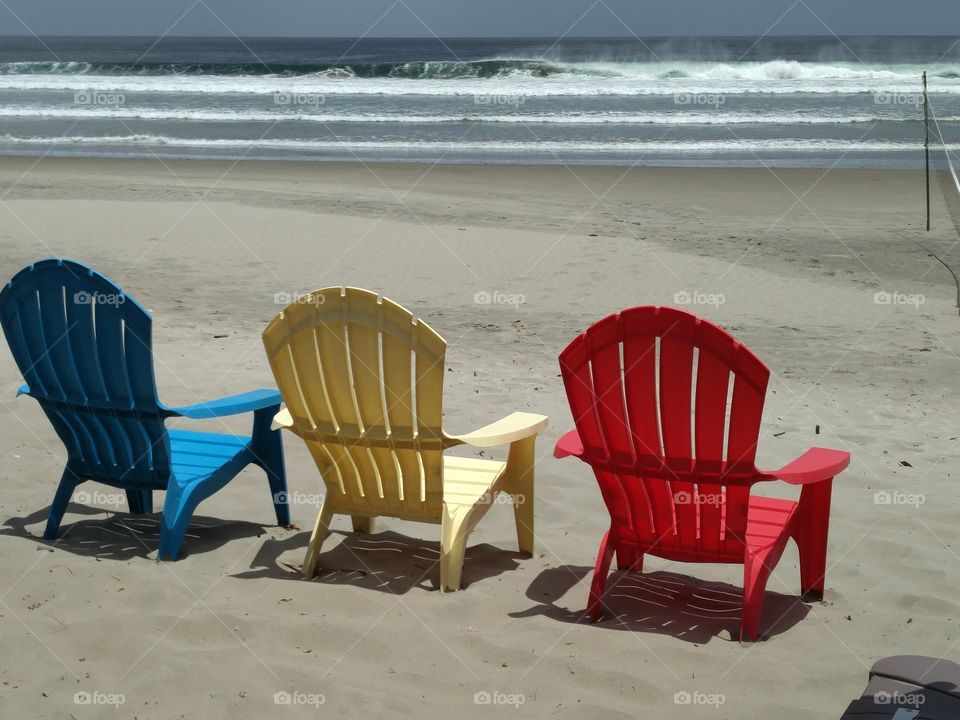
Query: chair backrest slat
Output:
(745,415)
(52,319)
(640,389)
(83,343)
(674,388)
(85,350)
(611,413)
(713,382)
(138,360)
(36,349)
(676,368)
(399,391)
(656,394)
(429,368)
(108,326)
(364,324)
(712,388)
(640,372)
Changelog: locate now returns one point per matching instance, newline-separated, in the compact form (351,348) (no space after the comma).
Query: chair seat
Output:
(767,518)
(467,480)
(197,455)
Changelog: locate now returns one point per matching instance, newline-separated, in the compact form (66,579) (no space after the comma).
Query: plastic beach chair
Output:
(362,383)
(667,410)
(85,349)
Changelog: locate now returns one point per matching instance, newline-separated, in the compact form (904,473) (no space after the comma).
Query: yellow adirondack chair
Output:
(362,382)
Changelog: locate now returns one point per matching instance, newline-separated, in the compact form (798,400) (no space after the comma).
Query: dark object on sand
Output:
(909,687)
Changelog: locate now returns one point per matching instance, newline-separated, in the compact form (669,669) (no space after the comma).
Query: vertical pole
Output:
(926,143)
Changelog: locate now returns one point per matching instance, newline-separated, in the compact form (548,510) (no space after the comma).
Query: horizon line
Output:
(467,37)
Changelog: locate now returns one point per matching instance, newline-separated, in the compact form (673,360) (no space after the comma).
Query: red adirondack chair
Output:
(667,409)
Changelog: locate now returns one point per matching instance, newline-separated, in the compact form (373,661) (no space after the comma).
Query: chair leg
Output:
(320,531)
(756,572)
(140,502)
(267,449)
(178,507)
(629,559)
(600,571)
(811,537)
(173,524)
(520,461)
(363,524)
(68,482)
(453,548)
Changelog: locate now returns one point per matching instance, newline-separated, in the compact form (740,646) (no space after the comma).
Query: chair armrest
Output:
(516,426)
(815,465)
(569,444)
(282,419)
(233,405)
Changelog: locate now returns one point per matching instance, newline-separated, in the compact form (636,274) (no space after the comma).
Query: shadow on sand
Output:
(684,607)
(122,536)
(687,608)
(385,561)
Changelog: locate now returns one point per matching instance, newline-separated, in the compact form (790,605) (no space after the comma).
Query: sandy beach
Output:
(508,264)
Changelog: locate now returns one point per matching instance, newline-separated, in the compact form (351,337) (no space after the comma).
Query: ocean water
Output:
(777,101)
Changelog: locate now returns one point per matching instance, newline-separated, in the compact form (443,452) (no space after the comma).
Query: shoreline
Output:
(341,164)
(903,160)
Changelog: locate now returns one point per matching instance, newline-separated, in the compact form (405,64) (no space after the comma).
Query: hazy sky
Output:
(492,18)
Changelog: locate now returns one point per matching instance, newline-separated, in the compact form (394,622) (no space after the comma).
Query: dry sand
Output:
(797,257)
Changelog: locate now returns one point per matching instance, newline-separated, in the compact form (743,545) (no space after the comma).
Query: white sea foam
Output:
(680,117)
(539,68)
(790,145)
(565,79)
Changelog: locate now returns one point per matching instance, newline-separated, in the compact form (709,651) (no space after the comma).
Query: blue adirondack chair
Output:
(85,349)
